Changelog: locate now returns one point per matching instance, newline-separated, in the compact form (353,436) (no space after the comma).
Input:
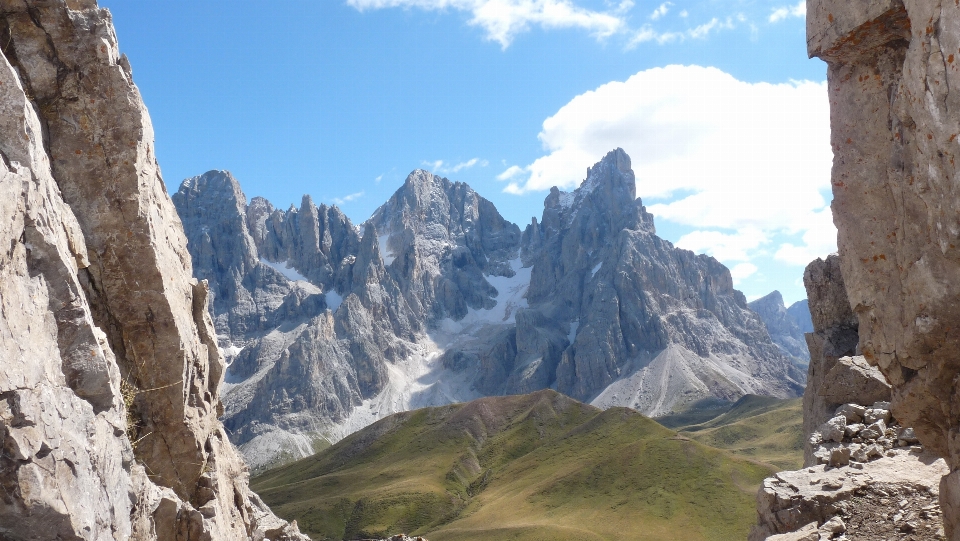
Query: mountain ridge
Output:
(437,299)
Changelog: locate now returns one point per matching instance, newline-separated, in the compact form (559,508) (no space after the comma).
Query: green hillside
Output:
(761,428)
(531,467)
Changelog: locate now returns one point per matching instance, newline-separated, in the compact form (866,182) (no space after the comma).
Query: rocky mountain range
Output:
(786,326)
(437,299)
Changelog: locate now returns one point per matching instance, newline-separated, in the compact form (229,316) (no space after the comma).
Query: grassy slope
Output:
(531,467)
(760,428)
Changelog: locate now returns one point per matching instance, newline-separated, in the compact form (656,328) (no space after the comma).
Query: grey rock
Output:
(834,526)
(834,337)
(840,456)
(789,501)
(874,431)
(851,378)
(853,412)
(439,287)
(853,430)
(833,429)
(111,369)
(908,436)
(785,329)
(873,415)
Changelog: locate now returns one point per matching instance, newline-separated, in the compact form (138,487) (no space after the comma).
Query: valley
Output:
(536,466)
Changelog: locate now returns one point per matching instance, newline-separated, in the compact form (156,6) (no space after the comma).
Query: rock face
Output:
(865,476)
(786,325)
(834,336)
(437,299)
(643,311)
(893,80)
(110,390)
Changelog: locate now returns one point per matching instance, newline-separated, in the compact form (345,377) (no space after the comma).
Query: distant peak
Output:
(215,184)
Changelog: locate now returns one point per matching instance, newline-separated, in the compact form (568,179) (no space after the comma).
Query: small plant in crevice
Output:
(134,423)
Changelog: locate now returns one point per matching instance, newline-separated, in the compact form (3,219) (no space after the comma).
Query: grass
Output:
(521,468)
(761,428)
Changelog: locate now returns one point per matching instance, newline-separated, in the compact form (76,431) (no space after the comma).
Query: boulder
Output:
(852,379)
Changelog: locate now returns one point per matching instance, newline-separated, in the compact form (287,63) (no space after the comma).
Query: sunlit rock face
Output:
(110,388)
(436,299)
(893,79)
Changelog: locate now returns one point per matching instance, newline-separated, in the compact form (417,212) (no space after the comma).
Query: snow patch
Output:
(595,269)
(511,296)
(567,199)
(418,381)
(284,268)
(385,253)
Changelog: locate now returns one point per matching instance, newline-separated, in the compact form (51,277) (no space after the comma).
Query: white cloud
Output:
(378,179)
(725,247)
(684,14)
(438,168)
(818,241)
(709,151)
(648,33)
(347,198)
(502,20)
(742,271)
(661,11)
(511,172)
(781,13)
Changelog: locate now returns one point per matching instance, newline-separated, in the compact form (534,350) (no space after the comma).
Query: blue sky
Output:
(725,118)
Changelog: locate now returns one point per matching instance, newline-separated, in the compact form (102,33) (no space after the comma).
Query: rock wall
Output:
(858,458)
(834,336)
(893,76)
(109,394)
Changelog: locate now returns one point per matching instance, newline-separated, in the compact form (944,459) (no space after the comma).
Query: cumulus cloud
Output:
(818,241)
(783,12)
(737,246)
(661,11)
(742,271)
(710,152)
(510,172)
(502,20)
(347,198)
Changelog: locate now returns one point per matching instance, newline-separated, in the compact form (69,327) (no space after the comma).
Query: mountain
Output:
(438,299)
(786,325)
(537,466)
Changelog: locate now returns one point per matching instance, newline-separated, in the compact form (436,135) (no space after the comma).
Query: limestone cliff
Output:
(110,389)
(893,76)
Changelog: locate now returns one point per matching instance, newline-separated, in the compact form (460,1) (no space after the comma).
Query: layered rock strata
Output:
(437,299)
(110,390)
(893,77)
